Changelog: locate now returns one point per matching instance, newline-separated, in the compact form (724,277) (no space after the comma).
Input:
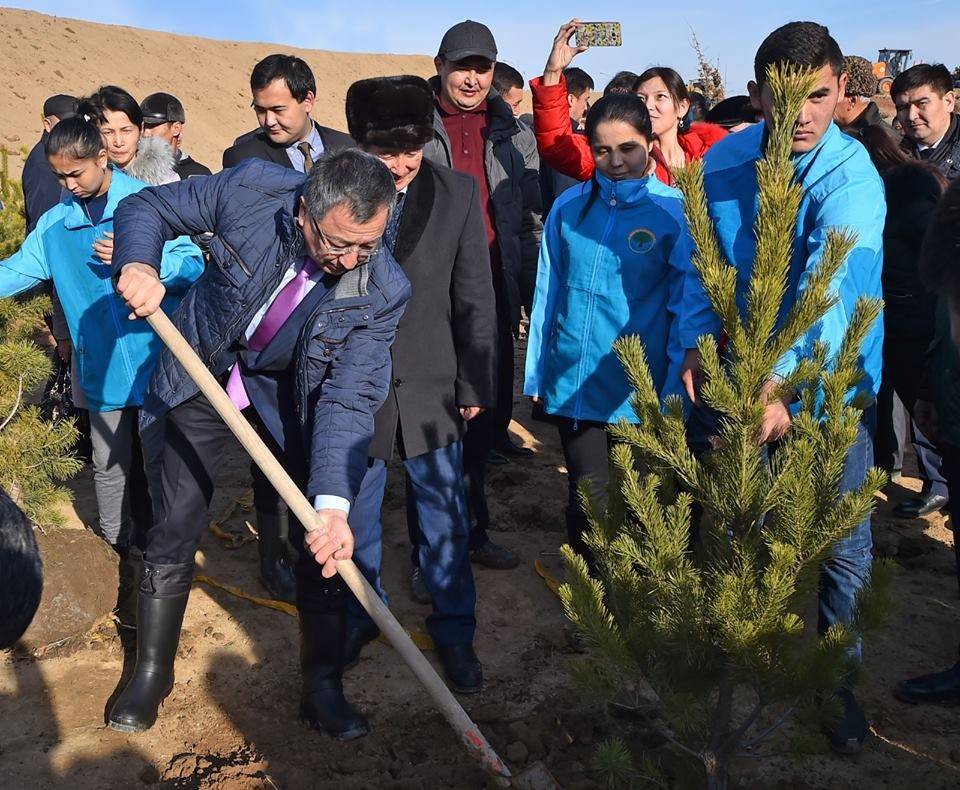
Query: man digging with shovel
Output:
(295,315)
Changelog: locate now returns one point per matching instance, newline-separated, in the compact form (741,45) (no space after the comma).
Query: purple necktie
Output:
(282,308)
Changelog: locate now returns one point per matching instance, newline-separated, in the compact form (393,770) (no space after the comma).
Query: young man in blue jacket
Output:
(295,314)
(841,190)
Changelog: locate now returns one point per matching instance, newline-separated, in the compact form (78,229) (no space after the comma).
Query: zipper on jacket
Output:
(236,257)
(601,247)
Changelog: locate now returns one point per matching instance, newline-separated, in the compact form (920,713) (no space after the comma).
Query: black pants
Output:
(586,452)
(951,471)
(193,439)
(902,369)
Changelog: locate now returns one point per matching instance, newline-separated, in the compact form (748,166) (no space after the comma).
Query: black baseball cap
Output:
(160,108)
(468,39)
(61,105)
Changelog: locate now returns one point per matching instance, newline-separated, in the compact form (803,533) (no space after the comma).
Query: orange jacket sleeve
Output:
(562,149)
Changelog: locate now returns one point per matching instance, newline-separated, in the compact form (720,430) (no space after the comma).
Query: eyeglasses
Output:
(364,253)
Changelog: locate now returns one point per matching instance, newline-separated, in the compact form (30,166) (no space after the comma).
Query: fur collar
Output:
(417,208)
(153,163)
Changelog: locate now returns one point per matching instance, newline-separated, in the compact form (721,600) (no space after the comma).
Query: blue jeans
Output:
(437,486)
(848,568)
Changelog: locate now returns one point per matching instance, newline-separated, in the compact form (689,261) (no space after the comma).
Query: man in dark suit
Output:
(41,190)
(295,314)
(444,365)
(284,89)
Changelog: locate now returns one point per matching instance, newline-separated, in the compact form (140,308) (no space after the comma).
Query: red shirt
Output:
(467,131)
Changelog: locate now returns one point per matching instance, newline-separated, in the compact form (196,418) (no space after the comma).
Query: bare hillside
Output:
(41,55)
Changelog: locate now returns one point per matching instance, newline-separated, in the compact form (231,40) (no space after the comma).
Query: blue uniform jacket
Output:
(342,357)
(617,264)
(841,189)
(115,356)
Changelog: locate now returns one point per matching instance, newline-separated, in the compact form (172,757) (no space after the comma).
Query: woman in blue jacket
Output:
(615,260)
(114,357)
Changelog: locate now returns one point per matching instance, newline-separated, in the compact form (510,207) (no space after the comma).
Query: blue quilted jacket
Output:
(342,361)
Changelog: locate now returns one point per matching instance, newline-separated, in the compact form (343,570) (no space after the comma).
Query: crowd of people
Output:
(360,297)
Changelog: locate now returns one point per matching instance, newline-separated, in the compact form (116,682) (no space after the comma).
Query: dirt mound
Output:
(79,586)
(41,55)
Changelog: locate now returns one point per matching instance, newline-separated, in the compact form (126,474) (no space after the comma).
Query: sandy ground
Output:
(41,55)
(230,722)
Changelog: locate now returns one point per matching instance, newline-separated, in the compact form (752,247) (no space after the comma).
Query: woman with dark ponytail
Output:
(112,356)
(615,260)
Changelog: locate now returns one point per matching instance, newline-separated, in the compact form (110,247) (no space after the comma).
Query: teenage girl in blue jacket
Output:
(72,246)
(615,260)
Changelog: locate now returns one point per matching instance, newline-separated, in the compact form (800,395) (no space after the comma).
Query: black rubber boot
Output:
(128,570)
(164,590)
(322,612)
(276,571)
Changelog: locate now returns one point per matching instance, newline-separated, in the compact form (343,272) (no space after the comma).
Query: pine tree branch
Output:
(16,403)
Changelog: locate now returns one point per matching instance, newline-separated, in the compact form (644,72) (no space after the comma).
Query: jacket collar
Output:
(502,123)
(417,208)
(627,192)
(121,185)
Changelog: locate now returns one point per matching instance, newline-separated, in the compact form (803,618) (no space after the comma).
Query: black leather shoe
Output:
(508,448)
(938,687)
(497,459)
(163,594)
(354,642)
(493,555)
(847,733)
(462,668)
(920,506)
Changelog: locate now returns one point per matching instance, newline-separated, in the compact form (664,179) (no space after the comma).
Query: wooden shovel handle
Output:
(452,710)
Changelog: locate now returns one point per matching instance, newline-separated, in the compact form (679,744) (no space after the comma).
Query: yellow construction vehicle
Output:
(889,65)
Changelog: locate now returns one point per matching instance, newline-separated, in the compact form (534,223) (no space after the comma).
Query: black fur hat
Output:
(394,113)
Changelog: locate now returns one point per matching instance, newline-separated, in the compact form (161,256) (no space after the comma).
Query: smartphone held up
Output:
(599,34)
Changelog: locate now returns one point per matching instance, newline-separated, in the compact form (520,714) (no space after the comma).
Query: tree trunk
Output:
(717,772)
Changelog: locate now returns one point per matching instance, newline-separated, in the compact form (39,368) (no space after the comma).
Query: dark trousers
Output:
(951,471)
(190,442)
(902,371)
(586,453)
(435,488)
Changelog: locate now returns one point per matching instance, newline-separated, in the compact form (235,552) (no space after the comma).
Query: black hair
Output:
(577,80)
(674,82)
(799,44)
(622,82)
(699,107)
(75,137)
(21,571)
(506,77)
(936,75)
(113,98)
(292,70)
(626,107)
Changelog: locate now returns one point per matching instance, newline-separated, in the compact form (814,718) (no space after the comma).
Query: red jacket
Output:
(570,153)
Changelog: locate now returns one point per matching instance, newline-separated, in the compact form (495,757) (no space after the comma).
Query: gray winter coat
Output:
(513,166)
